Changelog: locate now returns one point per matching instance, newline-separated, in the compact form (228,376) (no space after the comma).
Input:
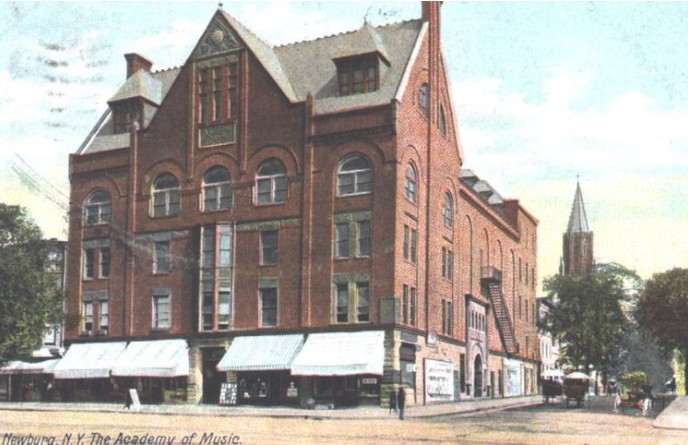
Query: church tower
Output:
(578,240)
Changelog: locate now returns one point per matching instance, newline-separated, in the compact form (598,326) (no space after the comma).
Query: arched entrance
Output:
(478,376)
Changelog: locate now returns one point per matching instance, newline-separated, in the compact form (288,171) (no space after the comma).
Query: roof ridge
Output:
(249,30)
(353,31)
(164,70)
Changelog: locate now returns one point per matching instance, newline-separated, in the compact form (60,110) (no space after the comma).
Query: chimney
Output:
(136,62)
(431,15)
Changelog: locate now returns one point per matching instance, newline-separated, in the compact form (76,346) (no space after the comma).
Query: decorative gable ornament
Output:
(218,38)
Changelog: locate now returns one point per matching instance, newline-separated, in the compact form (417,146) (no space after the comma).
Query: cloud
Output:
(170,46)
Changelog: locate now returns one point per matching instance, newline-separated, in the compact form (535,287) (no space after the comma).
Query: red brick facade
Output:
(311,145)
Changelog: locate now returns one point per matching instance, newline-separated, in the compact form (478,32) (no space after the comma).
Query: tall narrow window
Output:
(268,306)
(269,253)
(104,262)
(411,184)
(216,277)
(448,210)
(414,306)
(161,309)
(407,242)
(354,177)
(424,98)
(217,90)
(363,302)
(342,240)
(224,310)
(405,305)
(104,318)
(98,208)
(217,190)
(87,317)
(89,263)
(161,257)
(363,234)
(165,197)
(342,302)
(271,183)
(442,122)
(414,246)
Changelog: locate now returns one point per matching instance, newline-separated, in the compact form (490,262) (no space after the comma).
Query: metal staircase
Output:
(491,281)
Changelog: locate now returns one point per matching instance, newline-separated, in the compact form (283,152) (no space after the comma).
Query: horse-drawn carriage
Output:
(576,388)
(551,381)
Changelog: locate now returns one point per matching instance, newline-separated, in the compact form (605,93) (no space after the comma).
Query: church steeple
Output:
(578,239)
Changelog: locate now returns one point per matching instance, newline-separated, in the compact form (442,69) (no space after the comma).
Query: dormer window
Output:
(358,74)
(124,114)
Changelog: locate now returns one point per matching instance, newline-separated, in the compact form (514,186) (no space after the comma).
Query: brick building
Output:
(292,224)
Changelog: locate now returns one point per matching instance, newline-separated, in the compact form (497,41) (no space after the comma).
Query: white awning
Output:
(261,353)
(89,360)
(19,367)
(156,358)
(341,353)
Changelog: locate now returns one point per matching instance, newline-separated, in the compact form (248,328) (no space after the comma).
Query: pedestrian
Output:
(393,400)
(401,402)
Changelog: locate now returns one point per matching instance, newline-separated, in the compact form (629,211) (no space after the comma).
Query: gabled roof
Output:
(364,41)
(578,220)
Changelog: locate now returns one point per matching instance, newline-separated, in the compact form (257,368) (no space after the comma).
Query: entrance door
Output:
(212,379)
(478,377)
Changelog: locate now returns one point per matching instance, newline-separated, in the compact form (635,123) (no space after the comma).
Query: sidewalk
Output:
(674,416)
(419,411)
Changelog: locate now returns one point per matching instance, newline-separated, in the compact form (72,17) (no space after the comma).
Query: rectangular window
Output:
(203,97)
(268,247)
(414,306)
(89,263)
(218,103)
(216,288)
(224,310)
(363,294)
(407,242)
(208,316)
(405,305)
(447,263)
(363,233)
(104,317)
(161,310)
(104,262)
(161,257)
(225,248)
(357,75)
(342,302)
(87,317)
(342,240)
(414,246)
(268,306)
(218,96)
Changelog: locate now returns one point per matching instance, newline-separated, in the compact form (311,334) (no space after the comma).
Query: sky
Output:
(545,94)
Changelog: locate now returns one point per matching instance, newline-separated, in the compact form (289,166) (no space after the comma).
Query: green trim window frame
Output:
(352,235)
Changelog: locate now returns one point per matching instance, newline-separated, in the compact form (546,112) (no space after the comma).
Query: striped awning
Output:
(155,358)
(261,353)
(341,354)
(20,367)
(89,360)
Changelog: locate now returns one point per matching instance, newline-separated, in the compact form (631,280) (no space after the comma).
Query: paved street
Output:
(539,425)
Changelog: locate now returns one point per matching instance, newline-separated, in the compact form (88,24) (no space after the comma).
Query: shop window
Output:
(217,190)
(161,257)
(161,309)
(271,183)
(165,200)
(97,208)
(354,176)
(411,184)
(269,252)
(268,306)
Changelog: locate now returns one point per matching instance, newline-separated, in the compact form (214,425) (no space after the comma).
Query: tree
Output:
(30,300)
(663,309)
(589,315)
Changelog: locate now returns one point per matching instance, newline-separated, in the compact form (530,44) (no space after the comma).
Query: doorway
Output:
(478,376)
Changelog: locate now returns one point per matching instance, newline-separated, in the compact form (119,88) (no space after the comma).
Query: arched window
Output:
(354,176)
(448,210)
(271,183)
(217,190)
(424,98)
(411,184)
(165,198)
(442,122)
(97,208)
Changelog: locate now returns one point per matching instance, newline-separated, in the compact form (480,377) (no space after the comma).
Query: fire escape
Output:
(491,282)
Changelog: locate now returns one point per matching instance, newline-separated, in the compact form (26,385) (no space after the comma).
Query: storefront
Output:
(83,374)
(157,369)
(27,381)
(258,369)
(340,369)
(513,371)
